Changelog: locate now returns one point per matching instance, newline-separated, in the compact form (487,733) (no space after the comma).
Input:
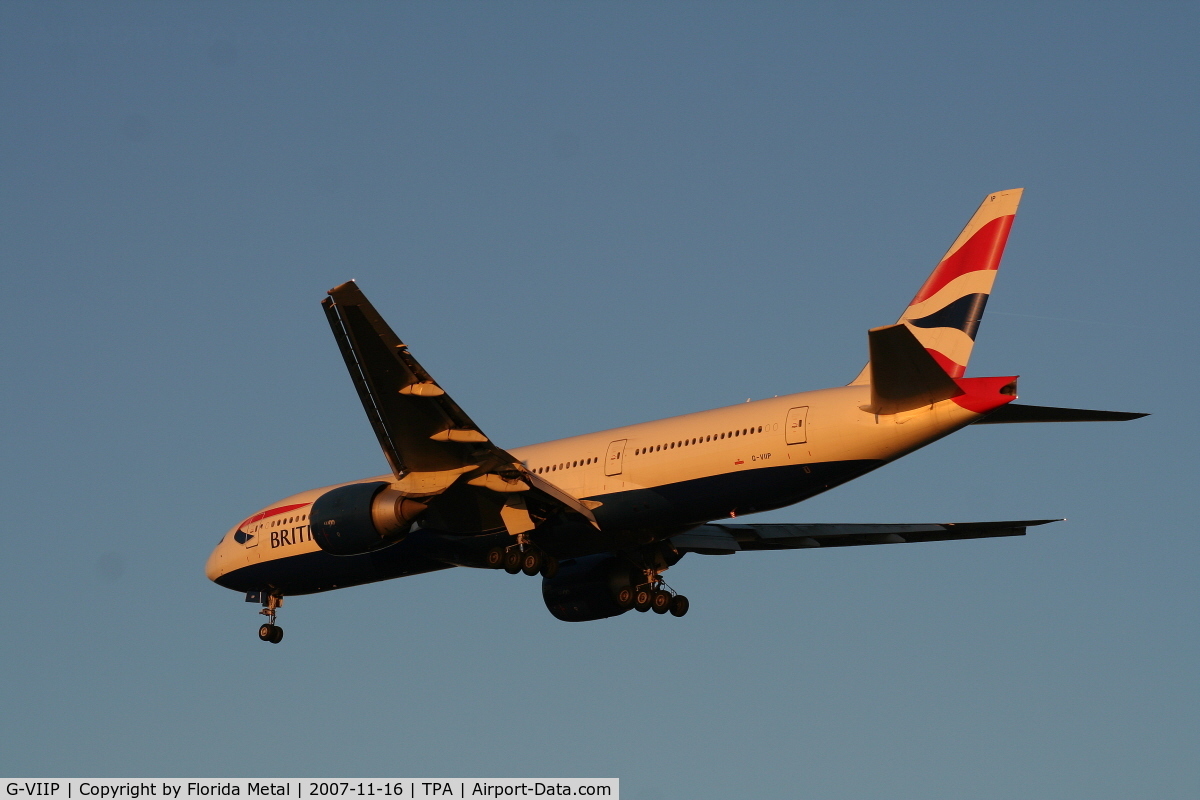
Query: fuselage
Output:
(644,482)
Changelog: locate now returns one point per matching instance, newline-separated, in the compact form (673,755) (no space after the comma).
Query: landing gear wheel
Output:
(550,567)
(266,631)
(495,558)
(276,635)
(661,602)
(679,605)
(512,562)
(626,596)
(642,599)
(531,562)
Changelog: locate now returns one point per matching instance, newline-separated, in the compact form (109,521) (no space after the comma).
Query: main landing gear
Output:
(269,631)
(522,557)
(653,595)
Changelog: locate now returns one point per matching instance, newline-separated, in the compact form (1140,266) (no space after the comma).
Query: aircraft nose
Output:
(214,568)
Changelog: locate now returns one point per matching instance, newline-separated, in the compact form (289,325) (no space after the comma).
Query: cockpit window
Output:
(241,537)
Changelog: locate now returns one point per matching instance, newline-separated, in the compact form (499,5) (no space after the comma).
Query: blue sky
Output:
(582,216)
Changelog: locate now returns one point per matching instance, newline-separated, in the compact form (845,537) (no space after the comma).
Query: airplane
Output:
(601,517)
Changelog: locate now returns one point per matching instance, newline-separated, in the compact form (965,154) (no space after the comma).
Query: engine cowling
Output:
(584,589)
(361,517)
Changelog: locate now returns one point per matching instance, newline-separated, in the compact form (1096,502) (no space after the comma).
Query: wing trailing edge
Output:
(724,539)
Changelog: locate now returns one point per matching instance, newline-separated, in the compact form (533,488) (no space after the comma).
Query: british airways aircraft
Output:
(602,516)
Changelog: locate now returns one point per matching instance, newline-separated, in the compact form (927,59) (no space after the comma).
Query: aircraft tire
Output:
(495,558)
(626,596)
(512,562)
(660,603)
(265,631)
(642,599)
(531,563)
(679,605)
(550,567)
(276,635)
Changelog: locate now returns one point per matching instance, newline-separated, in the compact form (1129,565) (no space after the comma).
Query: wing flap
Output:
(719,538)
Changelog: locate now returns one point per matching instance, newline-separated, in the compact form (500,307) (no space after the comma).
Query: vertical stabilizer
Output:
(945,313)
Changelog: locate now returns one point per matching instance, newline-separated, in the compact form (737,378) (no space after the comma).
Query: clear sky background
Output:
(582,215)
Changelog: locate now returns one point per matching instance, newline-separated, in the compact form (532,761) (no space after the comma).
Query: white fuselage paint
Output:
(838,429)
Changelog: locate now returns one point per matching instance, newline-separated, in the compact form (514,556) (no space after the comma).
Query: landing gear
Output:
(269,631)
(653,595)
(522,557)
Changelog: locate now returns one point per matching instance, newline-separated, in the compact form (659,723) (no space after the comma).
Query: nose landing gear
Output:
(269,631)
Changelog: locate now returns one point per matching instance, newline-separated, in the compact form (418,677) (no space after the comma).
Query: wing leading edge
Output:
(428,440)
(724,539)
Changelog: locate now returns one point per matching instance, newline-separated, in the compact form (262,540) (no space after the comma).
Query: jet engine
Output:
(361,517)
(585,588)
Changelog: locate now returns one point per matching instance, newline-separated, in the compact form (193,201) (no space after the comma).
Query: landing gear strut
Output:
(269,631)
(652,595)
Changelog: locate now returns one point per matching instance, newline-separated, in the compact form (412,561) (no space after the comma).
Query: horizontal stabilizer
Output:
(1014,412)
(720,539)
(904,375)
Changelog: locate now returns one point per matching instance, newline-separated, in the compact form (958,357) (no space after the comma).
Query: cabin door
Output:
(612,462)
(796,428)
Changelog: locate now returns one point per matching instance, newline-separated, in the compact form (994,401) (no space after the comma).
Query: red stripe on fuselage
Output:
(272,512)
(982,251)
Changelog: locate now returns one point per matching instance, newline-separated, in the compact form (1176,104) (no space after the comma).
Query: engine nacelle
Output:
(361,517)
(585,588)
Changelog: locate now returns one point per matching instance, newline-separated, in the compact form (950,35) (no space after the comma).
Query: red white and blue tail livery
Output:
(946,311)
(602,516)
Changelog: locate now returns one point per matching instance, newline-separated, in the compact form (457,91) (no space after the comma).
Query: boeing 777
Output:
(602,516)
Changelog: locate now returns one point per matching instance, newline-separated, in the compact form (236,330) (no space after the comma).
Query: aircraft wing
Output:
(428,440)
(725,538)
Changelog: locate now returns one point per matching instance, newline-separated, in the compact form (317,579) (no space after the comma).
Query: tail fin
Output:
(945,313)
